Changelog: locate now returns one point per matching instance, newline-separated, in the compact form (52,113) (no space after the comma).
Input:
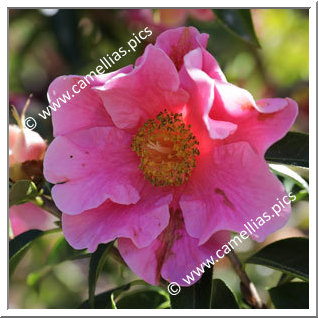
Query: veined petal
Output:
(92,166)
(237,188)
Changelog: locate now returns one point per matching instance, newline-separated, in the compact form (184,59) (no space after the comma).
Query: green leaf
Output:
(62,251)
(283,171)
(302,195)
(294,295)
(104,301)
(285,278)
(239,22)
(22,192)
(19,246)
(290,256)
(203,290)
(293,149)
(196,296)
(34,279)
(222,296)
(142,299)
(96,264)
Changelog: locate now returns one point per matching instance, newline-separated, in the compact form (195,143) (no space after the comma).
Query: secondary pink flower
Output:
(29,216)
(25,145)
(177,17)
(167,156)
(162,19)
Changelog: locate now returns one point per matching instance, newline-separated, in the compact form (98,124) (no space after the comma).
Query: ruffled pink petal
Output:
(178,42)
(142,94)
(29,216)
(187,255)
(83,109)
(262,130)
(200,87)
(260,123)
(231,100)
(230,189)
(220,129)
(141,222)
(95,165)
(211,67)
(173,255)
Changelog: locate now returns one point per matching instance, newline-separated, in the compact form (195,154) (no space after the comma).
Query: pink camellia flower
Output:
(166,156)
(26,145)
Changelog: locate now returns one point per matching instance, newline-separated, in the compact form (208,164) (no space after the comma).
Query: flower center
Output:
(167,149)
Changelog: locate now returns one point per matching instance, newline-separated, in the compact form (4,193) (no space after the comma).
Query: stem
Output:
(16,116)
(248,288)
(115,254)
(285,278)
(26,106)
(49,206)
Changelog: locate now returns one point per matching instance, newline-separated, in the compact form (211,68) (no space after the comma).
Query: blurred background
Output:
(44,44)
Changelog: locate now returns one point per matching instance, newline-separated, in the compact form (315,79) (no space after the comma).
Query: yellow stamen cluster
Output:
(167,149)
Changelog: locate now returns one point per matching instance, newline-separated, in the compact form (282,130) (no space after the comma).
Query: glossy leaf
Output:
(22,192)
(293,295)
(19,246)
(222,296)
(104,301)
(238,21)
(196,296)
(293,149)
(302,195)
(290,256)
(21,243)
(96,264)
(62,251)
(283,171)
(142,299)
(285,278)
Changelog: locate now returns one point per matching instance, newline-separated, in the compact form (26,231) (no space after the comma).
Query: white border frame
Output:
(312,160)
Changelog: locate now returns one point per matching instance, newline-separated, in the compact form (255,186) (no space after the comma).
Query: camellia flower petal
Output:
(172,161)
(91,168)
(77,113)
(144,221)
(233,205)
(128,102)
(173,255)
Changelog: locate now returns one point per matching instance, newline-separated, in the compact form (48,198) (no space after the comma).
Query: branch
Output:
(115,254)
(248,289)
(49,206)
